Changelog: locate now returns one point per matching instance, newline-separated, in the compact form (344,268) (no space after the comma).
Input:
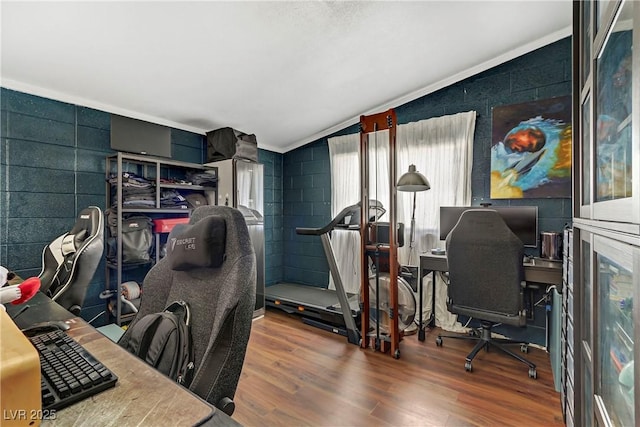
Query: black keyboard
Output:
(69,372)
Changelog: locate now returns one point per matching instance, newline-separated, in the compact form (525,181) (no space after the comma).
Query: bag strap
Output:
(188,375)
(180,306)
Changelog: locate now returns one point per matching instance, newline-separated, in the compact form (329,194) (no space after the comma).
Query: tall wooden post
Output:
(369,125)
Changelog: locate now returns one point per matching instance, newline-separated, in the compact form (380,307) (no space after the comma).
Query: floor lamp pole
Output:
(413,228)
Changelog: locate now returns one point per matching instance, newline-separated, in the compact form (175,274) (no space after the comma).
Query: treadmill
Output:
(332,310)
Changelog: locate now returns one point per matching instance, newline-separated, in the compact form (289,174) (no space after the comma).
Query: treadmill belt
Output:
(311,296)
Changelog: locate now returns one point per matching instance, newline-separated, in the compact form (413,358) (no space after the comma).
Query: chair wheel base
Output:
(486,342)
(226,405)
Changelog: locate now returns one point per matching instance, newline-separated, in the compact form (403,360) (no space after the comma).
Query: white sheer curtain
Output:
(442,150)
(344,157)
(249,179)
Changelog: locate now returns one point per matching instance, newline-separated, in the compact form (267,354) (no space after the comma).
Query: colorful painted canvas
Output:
(531,150)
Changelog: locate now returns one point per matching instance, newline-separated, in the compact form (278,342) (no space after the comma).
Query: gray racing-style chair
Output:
(71,260)
(486,280)
(211,265)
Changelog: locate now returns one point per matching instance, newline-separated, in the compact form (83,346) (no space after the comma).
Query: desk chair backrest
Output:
(218,281)
(71,260)
(485,268)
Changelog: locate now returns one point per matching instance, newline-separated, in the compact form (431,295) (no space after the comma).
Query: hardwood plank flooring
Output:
(298,375)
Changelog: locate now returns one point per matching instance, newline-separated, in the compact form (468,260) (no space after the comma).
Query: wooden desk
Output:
(142,396)
(535,271)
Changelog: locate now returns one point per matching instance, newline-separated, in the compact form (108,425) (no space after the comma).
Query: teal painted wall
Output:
(52,165)
(541,74)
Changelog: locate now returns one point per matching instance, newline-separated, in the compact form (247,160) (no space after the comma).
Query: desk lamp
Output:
(412,182)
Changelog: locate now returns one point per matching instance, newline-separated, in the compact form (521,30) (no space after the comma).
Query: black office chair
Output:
(486,280)
(218,281)
(71,260)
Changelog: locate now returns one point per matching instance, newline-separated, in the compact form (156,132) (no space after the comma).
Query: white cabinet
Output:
(606,243)
(241,185)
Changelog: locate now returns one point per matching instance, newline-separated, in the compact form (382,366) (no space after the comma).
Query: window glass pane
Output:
(586,40)
(601,8)
(587,396)
(586,152)
(613,111)
(616,332)
(587,293)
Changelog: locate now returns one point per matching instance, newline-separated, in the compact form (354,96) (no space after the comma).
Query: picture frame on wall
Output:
(531,150)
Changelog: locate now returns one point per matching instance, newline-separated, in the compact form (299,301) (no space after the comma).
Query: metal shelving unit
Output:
(157,170)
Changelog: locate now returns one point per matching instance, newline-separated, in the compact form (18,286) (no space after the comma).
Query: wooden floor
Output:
(297,375)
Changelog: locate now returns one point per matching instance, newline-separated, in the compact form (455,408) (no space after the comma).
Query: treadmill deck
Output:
(310,296)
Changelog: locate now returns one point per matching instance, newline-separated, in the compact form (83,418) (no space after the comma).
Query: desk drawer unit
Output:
(568,364)
(569,334)
(570,305)
(569,407)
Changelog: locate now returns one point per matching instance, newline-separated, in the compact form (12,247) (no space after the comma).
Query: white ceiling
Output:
(290,72)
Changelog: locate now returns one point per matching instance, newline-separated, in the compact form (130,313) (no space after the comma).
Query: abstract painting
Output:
(531,150)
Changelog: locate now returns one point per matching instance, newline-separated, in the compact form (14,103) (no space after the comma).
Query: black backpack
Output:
(163,340)
(137,238)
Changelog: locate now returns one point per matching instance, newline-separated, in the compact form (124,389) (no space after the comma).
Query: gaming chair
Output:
(211,265)
(70,261)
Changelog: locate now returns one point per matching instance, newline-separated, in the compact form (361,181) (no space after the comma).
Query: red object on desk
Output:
(28,289)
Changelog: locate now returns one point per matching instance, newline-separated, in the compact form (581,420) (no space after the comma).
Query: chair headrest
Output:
(88,223)
(199,245)
(71,242)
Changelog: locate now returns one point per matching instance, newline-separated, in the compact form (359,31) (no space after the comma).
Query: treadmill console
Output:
(350,216)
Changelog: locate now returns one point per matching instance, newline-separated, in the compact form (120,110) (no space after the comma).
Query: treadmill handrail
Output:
(310,231)
(333,224)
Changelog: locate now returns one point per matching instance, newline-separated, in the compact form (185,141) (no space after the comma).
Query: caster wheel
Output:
(533,373)
(468,367)
(396,354)
(524,348)
(421,335)
(439,342)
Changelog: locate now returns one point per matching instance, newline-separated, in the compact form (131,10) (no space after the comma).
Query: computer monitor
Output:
(522,220)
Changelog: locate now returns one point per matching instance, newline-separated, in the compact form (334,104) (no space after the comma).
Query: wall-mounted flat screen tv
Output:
(140,137)
(522,220)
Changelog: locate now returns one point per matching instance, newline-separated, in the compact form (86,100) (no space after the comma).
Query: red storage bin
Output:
(165,225)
